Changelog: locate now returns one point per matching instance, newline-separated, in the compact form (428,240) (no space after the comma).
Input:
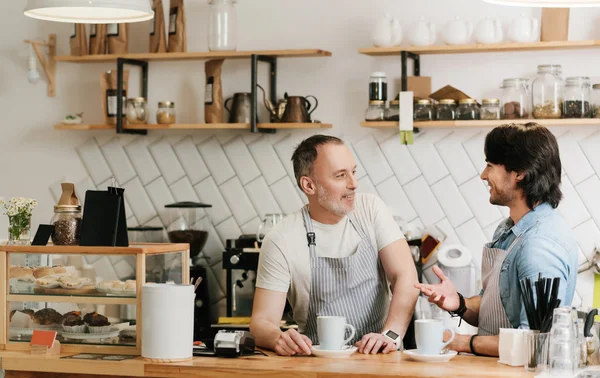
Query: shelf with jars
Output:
(90,310)
(485,123)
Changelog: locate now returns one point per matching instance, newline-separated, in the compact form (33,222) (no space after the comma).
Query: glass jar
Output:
(547,92)
(577,97)
(596,100)
(392,113)
(515,99)
(446,110)
(423,111)
(467,110)
(67,224)
(378,87)
(166,112)
(222,25)
(184,226)
(137,112)
(490,109)
(375,111)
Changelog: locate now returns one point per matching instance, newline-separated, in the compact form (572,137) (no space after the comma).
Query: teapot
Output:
(524,29)
(422,33)
(489,31)
(275,111)
(458,32)
(387,32)
(298,109)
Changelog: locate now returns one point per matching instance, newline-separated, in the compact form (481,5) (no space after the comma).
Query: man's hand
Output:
(444,294)
(460,343)
(372,342)
(291,343)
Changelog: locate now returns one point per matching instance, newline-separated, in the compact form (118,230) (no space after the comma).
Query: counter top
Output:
(24,365)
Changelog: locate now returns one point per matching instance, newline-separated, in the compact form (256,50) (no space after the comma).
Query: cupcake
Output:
(97,323)
(73,323)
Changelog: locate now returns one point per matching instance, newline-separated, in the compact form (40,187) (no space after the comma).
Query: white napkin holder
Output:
(512,346)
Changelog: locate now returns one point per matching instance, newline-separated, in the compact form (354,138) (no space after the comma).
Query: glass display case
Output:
(89,295)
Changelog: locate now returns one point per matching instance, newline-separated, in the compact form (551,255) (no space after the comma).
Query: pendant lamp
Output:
(547,3)
(90,11)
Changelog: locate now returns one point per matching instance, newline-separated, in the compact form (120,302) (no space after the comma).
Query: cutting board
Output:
(85,290)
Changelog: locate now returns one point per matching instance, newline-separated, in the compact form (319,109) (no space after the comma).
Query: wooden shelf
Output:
(200,126)
(479,48)
(301,53)
(74,299)
(485,123)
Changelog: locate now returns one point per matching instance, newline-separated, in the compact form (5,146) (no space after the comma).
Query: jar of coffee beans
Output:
(446,110)
(577,98)
(515,99)
(468,110)
(423,111)
(67,224)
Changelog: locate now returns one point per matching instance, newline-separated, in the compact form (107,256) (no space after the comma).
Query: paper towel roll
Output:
(167,321)
(454,255)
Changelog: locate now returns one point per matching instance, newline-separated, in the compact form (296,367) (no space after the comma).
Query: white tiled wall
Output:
(434,181)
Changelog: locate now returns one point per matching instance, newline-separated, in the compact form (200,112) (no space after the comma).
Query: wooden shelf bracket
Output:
(49,65)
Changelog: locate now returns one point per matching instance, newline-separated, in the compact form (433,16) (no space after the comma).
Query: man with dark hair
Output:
(334,257)
(523,172)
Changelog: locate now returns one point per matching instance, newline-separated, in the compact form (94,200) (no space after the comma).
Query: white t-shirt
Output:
(284,262)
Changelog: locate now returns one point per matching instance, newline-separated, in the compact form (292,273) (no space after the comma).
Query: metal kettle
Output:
(276,111)
(298,109)
(590,333)
(240,110)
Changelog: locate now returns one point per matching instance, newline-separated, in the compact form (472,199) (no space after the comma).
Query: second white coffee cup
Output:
(429,335)
(331,332)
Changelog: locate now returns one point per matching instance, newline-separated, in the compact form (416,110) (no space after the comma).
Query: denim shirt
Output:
(546,245)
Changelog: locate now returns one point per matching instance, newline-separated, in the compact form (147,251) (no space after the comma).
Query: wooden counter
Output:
(23,365)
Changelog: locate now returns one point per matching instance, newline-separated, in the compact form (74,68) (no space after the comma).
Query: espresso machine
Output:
(240,254)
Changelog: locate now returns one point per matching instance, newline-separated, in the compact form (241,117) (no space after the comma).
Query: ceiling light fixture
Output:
(90,11)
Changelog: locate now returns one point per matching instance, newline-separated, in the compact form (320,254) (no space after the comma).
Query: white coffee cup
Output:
(331,331)
(429,335)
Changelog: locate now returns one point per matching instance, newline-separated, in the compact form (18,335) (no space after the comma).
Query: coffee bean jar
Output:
(515,99)
(423,111)
(577,99)
(468,110)
(446,110)
(67,224)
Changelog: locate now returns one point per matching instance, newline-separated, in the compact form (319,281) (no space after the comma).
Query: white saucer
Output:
(346,352)
(412,353)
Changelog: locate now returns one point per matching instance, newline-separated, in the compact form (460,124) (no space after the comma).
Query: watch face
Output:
(392,335)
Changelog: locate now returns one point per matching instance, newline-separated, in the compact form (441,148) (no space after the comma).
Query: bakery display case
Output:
(91,296)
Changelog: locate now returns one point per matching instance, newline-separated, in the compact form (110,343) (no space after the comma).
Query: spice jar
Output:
(423,111)
(577,97)
(166,112)
(547,92)
(375,111)
(67,224)
(392,113)
(137,112)
(515,98)
(378,87)
(446,110)
(467,110)
(490,108)
(596,100)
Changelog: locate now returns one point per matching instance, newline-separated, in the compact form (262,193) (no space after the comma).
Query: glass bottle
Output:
(515,99)
(577,97)
(468,110)
(423,111)
(222,25)
(375,111)
(378,87)
(446,110)
(547,92)
(67,224)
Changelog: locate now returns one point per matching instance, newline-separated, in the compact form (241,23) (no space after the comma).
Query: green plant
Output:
(18,210)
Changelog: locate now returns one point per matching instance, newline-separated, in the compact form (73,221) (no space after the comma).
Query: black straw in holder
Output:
(539,312)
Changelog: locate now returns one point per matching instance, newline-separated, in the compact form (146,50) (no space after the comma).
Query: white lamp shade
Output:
(548,3)
(90,11)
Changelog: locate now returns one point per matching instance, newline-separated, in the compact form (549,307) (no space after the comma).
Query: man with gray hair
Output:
(334,257)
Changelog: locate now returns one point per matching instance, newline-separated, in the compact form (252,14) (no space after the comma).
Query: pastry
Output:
(72,319)
(116,285)
(22,272)
(94,319)
(43,272)
(27,311)
(73,283)
(47,316)
(59,269)
(45,281)
(130,285)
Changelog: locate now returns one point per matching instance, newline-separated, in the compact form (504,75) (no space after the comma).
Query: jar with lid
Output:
(547,92)
(467,110)
(137,112)
(222,25)
(490,108)
(375,111)
(166,112)
(67,224)
(184,226)
(577,99)
(446,110)
(423,111)
(515,99)
(596,100)
(378,87)
(392,113)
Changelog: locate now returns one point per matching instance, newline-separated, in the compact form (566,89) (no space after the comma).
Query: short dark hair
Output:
(306,153)
(530,149)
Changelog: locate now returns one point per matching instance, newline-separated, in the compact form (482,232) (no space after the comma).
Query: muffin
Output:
(47,316)
(73,323)
(97,323)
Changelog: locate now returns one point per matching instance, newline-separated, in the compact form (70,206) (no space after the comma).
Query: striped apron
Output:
(492,315)
(354,287)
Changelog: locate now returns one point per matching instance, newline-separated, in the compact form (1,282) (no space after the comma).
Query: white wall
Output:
(34,156)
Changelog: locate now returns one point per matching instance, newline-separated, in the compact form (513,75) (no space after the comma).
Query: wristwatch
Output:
(394,337)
